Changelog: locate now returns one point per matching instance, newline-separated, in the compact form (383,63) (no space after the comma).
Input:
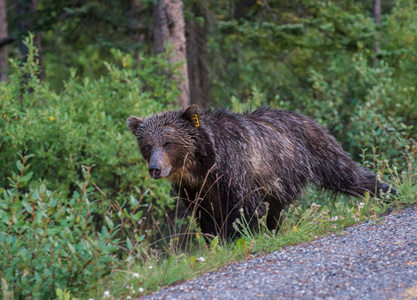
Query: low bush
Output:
(48,241)
(84,125)
(61,221)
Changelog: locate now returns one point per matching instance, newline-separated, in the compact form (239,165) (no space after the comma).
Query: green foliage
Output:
(275,45)
(372,117)
(63,294)
(48,241)
(79,35)
(52,241)
(85,125)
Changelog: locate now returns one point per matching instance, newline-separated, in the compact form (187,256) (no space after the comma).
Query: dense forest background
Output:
(72,71)
(301,55)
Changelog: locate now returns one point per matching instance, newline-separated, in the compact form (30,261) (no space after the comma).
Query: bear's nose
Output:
(155,171)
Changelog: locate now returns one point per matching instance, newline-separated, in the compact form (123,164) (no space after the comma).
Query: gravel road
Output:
(372,260)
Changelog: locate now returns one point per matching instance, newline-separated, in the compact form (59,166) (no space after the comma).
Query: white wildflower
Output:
(140,290)
(202,259)
(334,218)
(235,227)
(150,267)
(135,275)
(106,294)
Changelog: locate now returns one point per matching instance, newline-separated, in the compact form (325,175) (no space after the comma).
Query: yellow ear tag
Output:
(194,118)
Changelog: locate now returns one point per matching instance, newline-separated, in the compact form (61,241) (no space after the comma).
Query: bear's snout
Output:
(159,164)
(155,171)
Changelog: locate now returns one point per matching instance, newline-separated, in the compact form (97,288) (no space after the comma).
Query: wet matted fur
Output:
(223,163)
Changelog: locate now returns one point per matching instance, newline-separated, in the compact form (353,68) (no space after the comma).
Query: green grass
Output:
(303,222)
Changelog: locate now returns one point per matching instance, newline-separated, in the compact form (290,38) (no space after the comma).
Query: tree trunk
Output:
(377,17)
(169,23)
(3,35)
(197,64)
(158,43)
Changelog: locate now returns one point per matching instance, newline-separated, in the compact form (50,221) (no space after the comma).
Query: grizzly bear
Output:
(225,164)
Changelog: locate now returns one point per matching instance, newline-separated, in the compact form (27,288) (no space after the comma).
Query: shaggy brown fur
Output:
(223,163)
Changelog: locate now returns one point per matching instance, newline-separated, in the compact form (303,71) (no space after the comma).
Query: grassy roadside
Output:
(302,222)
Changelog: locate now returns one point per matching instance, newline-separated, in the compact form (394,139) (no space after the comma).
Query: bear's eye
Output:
(166,144)
(148,147)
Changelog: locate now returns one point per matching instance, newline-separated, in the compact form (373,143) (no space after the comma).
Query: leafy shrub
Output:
(371,118)
(62,237)
(85,125)
(49,242)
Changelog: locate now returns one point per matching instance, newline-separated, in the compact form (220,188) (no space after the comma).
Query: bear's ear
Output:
(133,123)
(191,115)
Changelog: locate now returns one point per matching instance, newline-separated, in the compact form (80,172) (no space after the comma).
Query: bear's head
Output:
(167,141)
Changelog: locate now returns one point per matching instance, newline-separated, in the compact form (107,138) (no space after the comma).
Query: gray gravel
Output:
(368,261)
